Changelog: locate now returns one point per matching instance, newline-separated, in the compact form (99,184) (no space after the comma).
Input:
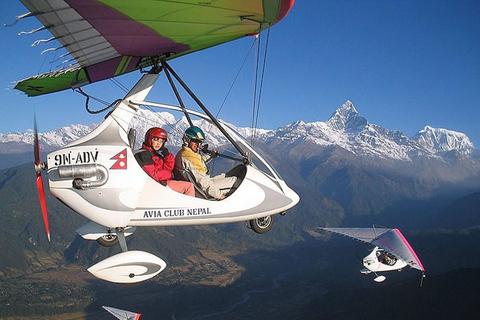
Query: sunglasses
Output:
(158,139)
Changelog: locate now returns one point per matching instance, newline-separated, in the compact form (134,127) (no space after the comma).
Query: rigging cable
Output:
(119,84)
(108,105)
(79,90)
(173,125)
(236,77)
(231,88)
(256,101)
(255,81)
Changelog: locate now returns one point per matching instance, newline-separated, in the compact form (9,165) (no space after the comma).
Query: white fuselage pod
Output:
(128,267)
(129,197)
(98,177)
(378,260)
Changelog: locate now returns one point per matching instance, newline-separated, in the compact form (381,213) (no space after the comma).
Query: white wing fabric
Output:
(122,314)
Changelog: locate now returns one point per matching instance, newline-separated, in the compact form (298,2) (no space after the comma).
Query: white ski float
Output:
(128,267)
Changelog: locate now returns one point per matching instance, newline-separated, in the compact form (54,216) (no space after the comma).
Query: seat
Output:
(131,138)
(187,175)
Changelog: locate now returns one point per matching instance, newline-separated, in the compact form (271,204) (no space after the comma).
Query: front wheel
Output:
(108,240)
(262,225)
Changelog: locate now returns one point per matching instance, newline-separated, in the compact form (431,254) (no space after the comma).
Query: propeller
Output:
(39,166)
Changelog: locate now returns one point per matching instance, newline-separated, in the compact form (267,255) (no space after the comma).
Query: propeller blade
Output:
(38,169)
(43,203)
(36,144)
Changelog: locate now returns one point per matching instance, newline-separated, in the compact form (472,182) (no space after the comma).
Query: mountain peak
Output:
(348,107)
(347,118)
(440,139)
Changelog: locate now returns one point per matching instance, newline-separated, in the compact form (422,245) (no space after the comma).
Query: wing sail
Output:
(107,38)
(362,234)
(395,242)
(122,314)
(391,240)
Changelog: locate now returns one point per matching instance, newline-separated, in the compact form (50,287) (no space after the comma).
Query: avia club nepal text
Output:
(176,212)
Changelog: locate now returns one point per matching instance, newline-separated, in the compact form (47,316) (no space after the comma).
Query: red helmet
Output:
(154,132)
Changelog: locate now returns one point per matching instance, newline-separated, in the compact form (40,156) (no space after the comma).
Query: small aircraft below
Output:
(97,175)
(391,252)
(122,314)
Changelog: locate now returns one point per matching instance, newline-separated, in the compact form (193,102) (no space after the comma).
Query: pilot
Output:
(158,163)
(190,159)
(389,259)
(386,258)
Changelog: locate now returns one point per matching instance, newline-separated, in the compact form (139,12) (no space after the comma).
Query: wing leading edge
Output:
(107,38)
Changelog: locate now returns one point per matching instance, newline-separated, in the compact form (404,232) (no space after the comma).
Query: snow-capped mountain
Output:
(145,119)
(437,140)
(346,128)
(55,138)
(18,142)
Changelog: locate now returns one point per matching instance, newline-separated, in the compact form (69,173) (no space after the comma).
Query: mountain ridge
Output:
(346,128)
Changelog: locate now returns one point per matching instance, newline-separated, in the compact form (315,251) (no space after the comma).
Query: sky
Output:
(403,64)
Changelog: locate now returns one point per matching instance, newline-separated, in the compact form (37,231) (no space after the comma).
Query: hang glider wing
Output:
(108,38)
(391,240)
(122,314)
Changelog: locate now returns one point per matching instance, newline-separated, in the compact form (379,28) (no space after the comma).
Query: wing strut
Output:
(121,239)
(202,106)
(179,98)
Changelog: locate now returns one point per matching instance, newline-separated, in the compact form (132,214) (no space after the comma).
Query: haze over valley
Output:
(347,171)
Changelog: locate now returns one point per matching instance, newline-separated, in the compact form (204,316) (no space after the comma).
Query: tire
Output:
(108,240)
(262,225)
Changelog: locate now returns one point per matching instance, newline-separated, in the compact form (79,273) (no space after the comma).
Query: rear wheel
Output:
(262,225)
(108,240)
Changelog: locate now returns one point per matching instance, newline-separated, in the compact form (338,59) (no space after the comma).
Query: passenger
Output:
(389,259)
(158,163)
(386,258)
(189,158)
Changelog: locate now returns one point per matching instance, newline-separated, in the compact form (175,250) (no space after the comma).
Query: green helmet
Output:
(193,133)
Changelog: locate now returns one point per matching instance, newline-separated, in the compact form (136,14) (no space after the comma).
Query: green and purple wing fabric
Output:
(108,38)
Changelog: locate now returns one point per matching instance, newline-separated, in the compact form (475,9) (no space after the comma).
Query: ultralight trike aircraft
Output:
(391,252)
(97,175)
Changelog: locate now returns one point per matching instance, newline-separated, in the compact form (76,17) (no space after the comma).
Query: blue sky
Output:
(404,65)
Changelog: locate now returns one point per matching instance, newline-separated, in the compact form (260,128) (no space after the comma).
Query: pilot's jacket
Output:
(187,159)
(195,160)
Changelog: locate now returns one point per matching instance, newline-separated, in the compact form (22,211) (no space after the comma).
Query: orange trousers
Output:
(184,187)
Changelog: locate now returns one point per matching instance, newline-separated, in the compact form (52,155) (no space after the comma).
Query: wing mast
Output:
(204,109)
